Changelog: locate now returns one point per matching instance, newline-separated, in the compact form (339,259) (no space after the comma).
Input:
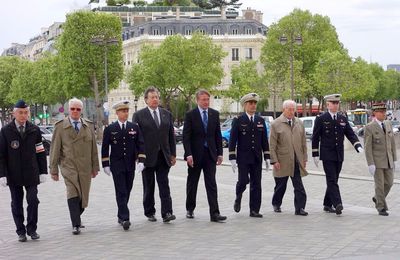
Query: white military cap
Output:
(333,97)
(124,104)
(249,97)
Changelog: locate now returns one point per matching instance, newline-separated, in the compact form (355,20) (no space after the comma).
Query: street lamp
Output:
(293,40)
(135,102)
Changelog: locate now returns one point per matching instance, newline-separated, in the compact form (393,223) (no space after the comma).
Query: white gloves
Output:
(360,150)
(234,165)
(316,161)
(3,181)
(371,169)
(42,178)
(140,167)
(107,170)
(267,165)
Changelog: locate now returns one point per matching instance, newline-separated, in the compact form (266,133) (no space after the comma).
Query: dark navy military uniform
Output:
(328,137)
(126,146)
(251,141)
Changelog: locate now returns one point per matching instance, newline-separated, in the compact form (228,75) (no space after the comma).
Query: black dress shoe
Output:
(126,224)
(254,214)
(277,209)
(338,209)
(34,235)
(22,238)
(329,209)
(236,205)
(168,217)
(189,214)
(76,230)
(217,218)
(151,218)
(383,212)
(301,212)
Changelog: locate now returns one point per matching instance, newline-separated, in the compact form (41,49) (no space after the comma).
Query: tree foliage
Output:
(210,4)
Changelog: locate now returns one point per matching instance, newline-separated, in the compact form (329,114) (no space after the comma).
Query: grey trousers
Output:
(383,182)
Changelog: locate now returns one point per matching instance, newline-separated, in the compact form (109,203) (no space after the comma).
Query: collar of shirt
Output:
(201,110)
(18,125)
(333,114)
(287,120)
(249,116)
(379,122)
(72,121)
(152,113)
(120,123)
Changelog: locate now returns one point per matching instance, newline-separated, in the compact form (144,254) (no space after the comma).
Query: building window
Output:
(216,31)
(249,31)
(156,32)
(170,31)
(235,31)
(249,53)
(235,54)
(188,32)
(202,31)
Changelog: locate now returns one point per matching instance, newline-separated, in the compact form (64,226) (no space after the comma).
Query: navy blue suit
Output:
(327,143)
(126,146)
(251,141)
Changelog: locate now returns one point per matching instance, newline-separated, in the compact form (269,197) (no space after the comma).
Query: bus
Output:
(359,116)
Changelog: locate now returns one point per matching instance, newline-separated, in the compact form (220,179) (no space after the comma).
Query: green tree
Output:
(178,65)
(209,4)
(391,81)
(363,84)
(83,61)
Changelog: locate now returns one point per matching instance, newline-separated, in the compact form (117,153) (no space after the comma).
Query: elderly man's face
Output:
(75,111)
(289,111)
(153,100)
(203,101)
(21,115)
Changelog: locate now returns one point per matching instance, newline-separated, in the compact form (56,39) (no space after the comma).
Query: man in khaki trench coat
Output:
(74,150)
(288,156)
(380,151)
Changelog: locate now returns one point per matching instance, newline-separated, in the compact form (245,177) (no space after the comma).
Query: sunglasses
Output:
(75,108)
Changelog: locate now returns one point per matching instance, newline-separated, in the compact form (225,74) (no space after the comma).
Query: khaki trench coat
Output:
(76,155)
(286,141)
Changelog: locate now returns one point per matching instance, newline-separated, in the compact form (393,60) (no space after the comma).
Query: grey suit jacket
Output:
(380,148)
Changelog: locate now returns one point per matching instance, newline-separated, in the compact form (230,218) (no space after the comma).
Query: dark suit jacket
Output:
(194,135)
(155,138)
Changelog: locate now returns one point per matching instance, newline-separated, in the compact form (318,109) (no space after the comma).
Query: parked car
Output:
(226,134)
(353,126)
(226,124)
(46,138)
(178,134)
(308,123)
(395,125)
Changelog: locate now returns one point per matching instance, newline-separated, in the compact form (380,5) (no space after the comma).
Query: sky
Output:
(367,28)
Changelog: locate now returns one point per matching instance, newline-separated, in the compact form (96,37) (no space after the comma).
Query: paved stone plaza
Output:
(358,234)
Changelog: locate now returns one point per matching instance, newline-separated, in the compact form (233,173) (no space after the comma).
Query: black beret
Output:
(21,104)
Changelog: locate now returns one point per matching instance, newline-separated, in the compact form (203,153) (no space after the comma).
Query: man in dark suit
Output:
(22,165)
(249,135)
(330,128)
(127,146)
(202,142)
(156,124)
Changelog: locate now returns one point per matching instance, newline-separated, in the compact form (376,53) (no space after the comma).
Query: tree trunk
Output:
(98,102)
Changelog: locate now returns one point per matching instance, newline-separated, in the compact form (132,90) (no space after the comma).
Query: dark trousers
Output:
(17,209)
(123,182)
(250,173)
(332,194)
(149,174)
(300,196)
(208,166)
(75,211)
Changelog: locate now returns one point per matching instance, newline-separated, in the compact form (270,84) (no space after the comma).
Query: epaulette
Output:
(87,120)
(59,121)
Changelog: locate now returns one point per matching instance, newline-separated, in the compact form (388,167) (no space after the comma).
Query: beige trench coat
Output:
(284,143)
(76,155)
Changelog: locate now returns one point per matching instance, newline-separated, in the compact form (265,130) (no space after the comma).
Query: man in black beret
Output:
(22,165)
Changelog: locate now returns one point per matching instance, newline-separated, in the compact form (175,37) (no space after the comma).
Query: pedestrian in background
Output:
(248,147)
(74,150)
(127,146)
(288,150)
(22,165)
(380,151)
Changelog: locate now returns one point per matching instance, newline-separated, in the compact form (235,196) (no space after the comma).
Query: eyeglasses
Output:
(75,108)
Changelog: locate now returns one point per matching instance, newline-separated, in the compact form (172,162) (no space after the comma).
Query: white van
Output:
(308,123)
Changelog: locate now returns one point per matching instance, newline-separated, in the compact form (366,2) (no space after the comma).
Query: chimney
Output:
(178,13)
(223,12)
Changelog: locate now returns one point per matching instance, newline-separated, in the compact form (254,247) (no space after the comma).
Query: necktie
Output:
(123,127)
(290,122)
(21,130)
(251,119)
(76,126)
(334,117)
(205,120)
(156,119)
(383,127)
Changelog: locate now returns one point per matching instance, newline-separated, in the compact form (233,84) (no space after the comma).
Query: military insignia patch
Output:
(132,132)
(15,144)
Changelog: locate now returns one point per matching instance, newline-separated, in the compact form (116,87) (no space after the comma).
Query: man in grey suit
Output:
(380,151)
(156,124)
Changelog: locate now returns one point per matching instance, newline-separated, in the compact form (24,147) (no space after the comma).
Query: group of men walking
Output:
(147,145)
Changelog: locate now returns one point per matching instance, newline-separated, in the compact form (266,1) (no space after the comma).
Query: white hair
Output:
(287,103)
(74,100)
(15,108)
